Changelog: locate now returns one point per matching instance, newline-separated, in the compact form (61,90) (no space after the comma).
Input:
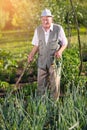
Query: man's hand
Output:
(30,58)
(58,54)
(32,53)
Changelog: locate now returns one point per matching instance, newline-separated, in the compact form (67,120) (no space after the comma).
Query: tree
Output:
(7,11)
(4,17)
(26,14)
(4,14)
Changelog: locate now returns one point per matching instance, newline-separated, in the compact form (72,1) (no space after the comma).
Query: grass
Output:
(74,39)
(16,47)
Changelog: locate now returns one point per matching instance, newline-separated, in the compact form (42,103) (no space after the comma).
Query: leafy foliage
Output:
(25,14)
(18,112)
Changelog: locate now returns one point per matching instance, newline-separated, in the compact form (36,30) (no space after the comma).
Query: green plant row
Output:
(21,112)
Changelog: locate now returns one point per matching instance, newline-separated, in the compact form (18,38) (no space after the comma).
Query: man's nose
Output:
(45,21)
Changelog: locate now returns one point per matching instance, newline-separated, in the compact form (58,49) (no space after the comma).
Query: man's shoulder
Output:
(39,26)
(39,30)
(57,25)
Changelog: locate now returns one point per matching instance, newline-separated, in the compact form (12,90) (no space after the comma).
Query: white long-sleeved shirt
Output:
(61,36)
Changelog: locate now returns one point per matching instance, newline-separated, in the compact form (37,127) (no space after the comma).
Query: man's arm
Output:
(63,42)
(32,54)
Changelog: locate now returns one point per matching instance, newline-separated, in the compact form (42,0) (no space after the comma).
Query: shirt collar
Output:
(51,27)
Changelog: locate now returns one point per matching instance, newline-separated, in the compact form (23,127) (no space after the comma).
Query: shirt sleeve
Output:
(35,39)
(62,37)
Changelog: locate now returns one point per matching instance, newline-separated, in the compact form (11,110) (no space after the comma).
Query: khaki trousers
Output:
(49,80)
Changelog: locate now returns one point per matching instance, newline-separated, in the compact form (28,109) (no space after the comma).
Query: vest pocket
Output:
(54,44)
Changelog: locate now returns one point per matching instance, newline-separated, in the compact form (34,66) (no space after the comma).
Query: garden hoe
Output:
(18,81)
(20,77)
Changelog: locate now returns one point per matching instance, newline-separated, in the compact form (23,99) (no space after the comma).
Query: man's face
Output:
(46,21)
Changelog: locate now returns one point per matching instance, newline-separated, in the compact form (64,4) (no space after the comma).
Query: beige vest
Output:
(47,51)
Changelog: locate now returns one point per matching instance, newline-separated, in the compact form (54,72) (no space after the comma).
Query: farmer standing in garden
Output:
(49,42)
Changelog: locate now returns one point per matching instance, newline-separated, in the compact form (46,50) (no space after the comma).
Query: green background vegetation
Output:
(20,108)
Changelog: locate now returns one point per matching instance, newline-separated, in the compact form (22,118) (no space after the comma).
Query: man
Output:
(49,41)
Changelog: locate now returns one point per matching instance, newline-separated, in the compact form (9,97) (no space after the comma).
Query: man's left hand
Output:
(58,54)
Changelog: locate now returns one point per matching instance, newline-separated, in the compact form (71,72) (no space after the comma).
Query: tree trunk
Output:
(78,32)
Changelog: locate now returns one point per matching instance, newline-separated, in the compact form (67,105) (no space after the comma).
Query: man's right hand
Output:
(32,53)
(30,58)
